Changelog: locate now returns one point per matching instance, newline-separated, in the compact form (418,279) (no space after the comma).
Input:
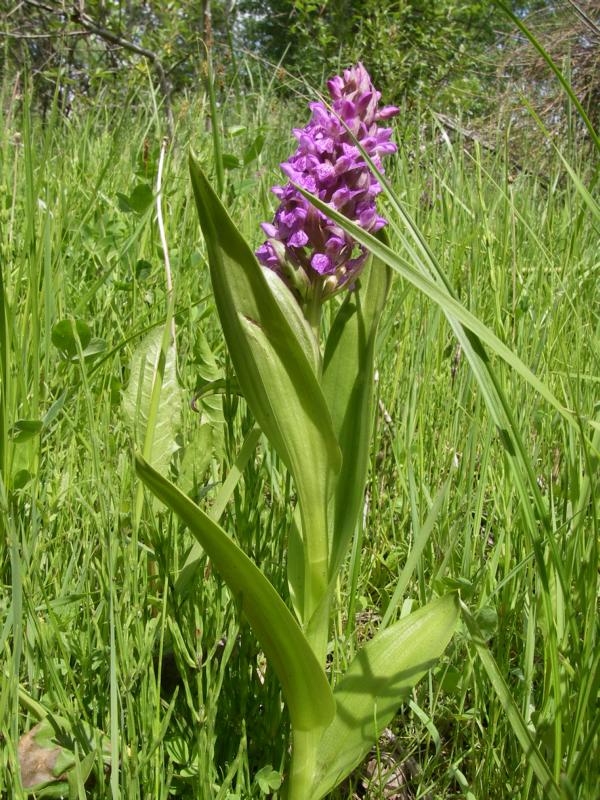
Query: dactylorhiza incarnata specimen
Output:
(314,401)
(305,247)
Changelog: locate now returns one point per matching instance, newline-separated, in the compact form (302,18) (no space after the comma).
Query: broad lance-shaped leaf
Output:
(137,399)
(303,681)
(348,386)
(368,696)
(275,358)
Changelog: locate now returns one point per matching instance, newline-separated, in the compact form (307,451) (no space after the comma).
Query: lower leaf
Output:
(303,681)
(382,673)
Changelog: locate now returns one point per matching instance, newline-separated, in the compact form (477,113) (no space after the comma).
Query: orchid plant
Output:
(314,401)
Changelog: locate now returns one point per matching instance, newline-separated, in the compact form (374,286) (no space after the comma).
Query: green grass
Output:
(91,624)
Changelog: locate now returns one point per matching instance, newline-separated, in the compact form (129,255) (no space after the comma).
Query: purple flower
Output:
(304,245)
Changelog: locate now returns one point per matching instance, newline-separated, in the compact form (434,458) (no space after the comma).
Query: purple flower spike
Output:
(328,164)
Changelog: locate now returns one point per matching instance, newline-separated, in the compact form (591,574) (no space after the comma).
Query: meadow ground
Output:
(92,626)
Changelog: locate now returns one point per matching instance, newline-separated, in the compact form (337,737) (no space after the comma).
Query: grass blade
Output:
(520,729)
(449,305)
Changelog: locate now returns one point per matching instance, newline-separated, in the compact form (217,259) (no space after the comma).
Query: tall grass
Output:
(93,623)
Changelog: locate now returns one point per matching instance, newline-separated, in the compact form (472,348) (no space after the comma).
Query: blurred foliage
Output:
(93,44)
(457,56)
(570,34)
(414,49)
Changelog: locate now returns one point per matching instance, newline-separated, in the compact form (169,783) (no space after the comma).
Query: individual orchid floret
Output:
(304,246)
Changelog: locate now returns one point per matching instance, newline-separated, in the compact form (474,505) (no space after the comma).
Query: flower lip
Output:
(298,239)
(321,263)
(269,229)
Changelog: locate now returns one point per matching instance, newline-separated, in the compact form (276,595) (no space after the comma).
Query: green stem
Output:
(316,579)
(305,744)
(313,308)
(304,759)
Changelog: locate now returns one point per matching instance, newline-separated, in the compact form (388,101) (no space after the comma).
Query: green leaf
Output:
(348,386)
(137,399)
(207,369)
(138,201)
(295,565)
(143,269)
(379,678)
(178,748)
(275,359)
(231,161)
(66,333)
(141,198)
(123,203)
(94,348)
(255,149)
(304,683)
(236,130)
(472,334)
(487,621)
(20,479)
(25,429)
(54,409)
(268,779)
(295,320)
